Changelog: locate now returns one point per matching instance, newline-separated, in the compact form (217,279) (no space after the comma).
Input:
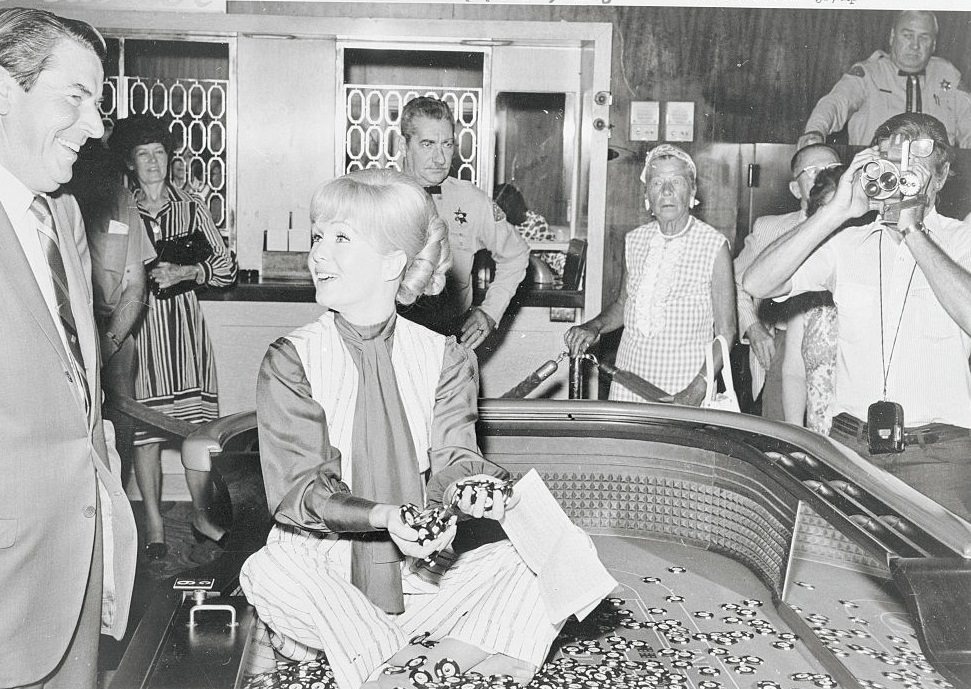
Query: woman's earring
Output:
(693,202)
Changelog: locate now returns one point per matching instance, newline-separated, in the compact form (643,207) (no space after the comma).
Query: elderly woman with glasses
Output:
(677,292)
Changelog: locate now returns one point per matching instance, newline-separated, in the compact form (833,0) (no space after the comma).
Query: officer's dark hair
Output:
(28,37)
(918,125)
(423,106)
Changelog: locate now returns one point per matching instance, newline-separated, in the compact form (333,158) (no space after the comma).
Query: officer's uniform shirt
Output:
(873,91)
(476,222)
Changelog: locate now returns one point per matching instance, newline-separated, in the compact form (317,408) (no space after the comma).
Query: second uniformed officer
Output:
(474,222)
(907,79)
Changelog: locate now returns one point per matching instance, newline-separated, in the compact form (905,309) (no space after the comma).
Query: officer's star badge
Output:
(461,217)
(945,85)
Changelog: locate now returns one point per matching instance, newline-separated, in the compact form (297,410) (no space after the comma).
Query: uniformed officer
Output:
(908,79)
(474,222)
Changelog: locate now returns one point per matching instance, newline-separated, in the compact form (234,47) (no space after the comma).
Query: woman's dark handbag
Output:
(185,250)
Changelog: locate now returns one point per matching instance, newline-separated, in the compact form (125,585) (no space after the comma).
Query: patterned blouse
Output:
(669,316)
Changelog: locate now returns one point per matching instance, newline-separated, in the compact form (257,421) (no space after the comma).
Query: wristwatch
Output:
(919,227)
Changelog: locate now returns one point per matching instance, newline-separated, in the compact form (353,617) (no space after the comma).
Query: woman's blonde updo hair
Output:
(394,213)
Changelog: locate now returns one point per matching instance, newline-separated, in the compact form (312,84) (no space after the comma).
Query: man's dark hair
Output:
(512,203)
(423,106)
(824,185)
(28,37)
(139,130)
(918,125)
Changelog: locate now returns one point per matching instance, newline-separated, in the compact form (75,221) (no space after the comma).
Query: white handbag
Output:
(728,400)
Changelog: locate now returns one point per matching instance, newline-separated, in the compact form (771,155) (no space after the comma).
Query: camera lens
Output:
(872,170)
(888,181)
(871,189)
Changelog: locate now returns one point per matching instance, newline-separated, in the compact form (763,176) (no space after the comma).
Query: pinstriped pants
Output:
(300,587)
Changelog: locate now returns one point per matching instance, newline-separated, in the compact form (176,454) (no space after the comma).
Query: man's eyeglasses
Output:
(813,170)
(921,148)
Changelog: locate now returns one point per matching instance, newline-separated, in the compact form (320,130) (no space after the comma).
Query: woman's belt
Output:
(928,434)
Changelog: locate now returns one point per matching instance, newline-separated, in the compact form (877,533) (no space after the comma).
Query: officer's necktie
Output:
(913,90)
(47,233)
(436,189)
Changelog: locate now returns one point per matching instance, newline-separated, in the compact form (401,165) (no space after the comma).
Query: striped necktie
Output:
(47,234)
(913,90)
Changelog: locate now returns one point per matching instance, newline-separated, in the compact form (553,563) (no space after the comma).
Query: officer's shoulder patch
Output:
(497,213)
(857,70)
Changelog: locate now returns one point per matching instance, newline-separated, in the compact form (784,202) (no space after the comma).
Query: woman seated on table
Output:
(677,290)
(359,413)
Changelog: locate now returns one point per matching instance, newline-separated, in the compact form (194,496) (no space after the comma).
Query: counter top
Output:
(287,291)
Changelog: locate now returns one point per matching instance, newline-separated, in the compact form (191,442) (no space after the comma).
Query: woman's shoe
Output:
(156,551)
(201,537)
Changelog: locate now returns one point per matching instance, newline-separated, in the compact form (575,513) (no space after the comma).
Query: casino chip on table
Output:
(599,653)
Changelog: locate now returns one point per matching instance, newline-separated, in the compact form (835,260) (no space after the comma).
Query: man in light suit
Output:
(765,338)
(67,535)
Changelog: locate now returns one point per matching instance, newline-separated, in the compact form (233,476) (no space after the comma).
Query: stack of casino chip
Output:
(312,674)
(430,523)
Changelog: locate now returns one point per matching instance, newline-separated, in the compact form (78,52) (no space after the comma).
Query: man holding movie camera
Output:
(903,399)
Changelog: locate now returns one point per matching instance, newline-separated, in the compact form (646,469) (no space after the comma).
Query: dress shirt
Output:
(928,370)
(16,199)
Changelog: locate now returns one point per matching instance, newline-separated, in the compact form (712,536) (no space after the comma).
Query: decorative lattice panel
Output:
(198,110)
(372,134)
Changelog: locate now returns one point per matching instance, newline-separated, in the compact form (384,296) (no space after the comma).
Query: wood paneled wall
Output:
(754,74)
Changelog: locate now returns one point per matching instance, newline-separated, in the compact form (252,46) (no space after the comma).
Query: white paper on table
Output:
(571,577)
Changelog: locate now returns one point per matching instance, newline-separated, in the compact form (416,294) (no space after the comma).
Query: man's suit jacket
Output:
(52,455)
(766,230)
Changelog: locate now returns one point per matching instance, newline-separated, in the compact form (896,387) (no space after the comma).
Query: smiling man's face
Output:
(41,130)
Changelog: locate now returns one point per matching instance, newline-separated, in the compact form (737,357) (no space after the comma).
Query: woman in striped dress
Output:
(363,411)
(677,290)
(176,372)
